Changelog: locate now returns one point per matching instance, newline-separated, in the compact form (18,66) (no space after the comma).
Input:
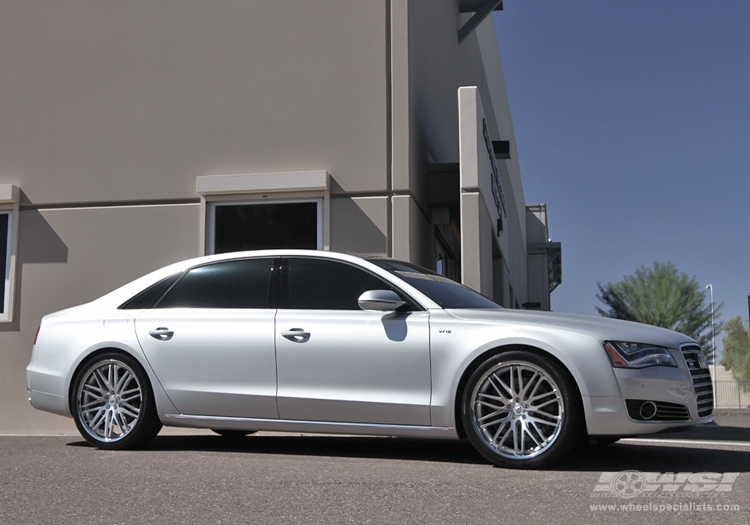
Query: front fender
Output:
(458,347)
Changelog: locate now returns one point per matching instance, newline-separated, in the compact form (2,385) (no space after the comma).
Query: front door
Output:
(339,363)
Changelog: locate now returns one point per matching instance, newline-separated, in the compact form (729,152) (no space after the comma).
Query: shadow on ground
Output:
(312,445)
(643,456)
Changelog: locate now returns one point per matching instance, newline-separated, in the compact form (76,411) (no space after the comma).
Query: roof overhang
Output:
(472,6)
(481,9)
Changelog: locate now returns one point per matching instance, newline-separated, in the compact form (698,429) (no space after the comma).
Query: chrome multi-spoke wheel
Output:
(110,399)
(519,410)
(112,405)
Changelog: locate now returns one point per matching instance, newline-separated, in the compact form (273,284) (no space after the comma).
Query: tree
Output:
(661,296)
(737,349)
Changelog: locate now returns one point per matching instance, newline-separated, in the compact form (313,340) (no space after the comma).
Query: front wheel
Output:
(521,410)
(112,403)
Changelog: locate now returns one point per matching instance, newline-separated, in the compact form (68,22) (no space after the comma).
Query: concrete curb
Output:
(732,417)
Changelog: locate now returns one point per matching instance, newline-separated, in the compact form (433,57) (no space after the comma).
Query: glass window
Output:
(318,284)
(148,297)
(4,260)
(232,284)
(267,226)
(445,292)
(446,263)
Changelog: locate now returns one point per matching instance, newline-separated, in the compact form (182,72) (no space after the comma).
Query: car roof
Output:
(125,292)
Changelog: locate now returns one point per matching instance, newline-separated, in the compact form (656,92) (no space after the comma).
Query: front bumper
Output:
(608,416)
(664,386)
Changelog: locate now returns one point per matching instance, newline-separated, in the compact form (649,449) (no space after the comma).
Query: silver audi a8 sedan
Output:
(312,341)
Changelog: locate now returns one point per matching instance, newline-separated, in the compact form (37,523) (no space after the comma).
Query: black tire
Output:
(522,410)
(112,403)
(232,434)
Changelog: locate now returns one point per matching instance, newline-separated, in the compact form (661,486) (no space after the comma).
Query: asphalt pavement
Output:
(300,479)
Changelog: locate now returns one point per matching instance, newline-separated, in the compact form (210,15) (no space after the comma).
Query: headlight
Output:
(637,355)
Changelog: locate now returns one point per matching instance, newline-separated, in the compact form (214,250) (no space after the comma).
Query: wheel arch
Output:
(90,356)
(481,358)
(163,402)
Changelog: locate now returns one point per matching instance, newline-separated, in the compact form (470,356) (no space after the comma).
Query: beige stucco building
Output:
(134,134)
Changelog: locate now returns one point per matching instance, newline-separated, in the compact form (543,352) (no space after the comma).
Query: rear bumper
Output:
(49,402)
(41,389)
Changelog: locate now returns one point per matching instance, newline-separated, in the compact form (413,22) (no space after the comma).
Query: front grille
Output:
(671,412)
(704,392)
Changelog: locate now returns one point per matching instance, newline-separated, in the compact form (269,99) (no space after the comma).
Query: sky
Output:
(632,123)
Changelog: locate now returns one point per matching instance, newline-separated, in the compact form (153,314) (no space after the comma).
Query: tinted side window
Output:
(232,284)
(445,292)
(317,284)
(150,295)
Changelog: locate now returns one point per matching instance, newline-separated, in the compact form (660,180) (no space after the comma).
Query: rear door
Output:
(210,340)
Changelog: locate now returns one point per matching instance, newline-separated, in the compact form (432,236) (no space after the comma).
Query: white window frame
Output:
(261,188)
(9,205)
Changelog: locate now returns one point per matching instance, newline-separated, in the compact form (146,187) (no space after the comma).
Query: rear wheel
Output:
(521,410)
(112,403)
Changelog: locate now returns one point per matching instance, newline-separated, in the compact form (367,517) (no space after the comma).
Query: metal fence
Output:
(732,394)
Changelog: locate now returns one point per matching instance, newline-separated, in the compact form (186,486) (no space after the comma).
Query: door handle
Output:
(296,334)
(162,333)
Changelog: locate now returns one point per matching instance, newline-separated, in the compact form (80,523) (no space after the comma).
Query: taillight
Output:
(37,334)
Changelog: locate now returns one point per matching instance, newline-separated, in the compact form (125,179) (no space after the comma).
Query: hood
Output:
(602,328)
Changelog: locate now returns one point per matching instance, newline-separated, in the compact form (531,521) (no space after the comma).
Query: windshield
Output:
(444,291)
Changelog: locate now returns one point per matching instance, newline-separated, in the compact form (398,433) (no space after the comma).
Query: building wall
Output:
(438,66)
(109,111)
(135,99)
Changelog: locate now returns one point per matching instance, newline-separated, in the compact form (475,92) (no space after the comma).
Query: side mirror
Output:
(380,300)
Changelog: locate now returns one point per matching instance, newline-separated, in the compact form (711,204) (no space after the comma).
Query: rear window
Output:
(231,284)
(148,297)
